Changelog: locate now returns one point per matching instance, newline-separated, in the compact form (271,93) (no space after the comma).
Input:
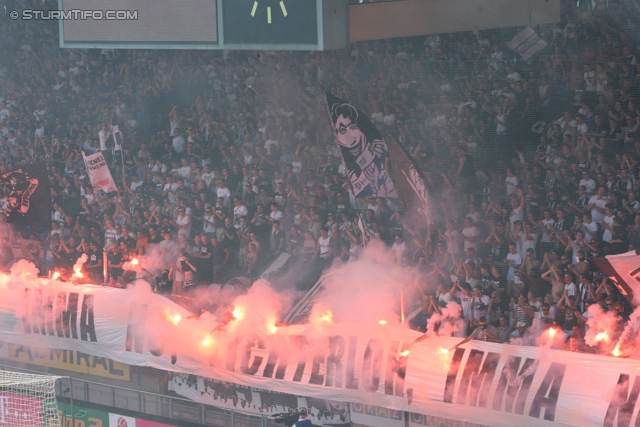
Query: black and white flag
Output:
(364,151)
(377,167)
(412,187)
(27,197)
(110,139)
(527,43)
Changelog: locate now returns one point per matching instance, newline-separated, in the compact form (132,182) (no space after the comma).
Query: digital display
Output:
(140,21)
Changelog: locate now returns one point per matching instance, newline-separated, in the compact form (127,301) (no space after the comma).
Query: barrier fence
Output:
(151,404)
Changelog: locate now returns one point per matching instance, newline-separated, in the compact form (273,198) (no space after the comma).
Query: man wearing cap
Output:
(302,421)
(484,332)
(520,332)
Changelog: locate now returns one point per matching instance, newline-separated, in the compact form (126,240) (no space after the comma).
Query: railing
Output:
(152,404)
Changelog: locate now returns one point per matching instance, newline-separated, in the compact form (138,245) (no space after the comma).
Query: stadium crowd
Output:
(229,159)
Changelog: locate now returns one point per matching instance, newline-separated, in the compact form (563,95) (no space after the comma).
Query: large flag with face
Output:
(99,174)
(364,152)
(27,197)
(366,157)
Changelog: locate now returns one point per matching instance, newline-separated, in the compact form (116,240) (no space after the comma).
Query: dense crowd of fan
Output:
(229,159)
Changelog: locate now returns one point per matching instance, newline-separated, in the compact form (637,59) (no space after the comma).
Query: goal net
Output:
(28,400)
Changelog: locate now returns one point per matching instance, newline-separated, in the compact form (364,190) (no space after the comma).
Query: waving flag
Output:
(99,174)
(412,187)
(114,140)
(364,152)
(527,43)
(27,197)
(366,157)
(111,138)
(624,272)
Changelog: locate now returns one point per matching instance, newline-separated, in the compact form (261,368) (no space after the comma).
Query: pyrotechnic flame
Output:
(173,318)
(552,333)
(207,341)
(404,353)
(616,351)
(443,355)
(601,336)
(55,276)
(327,317)
(273,330)
(382,322)
(238,313)
(77,267)
(134,261)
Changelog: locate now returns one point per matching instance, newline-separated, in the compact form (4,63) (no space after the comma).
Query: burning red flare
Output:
(238,313)
(382,322)
(327,317)
(173,318)
(601,336)
(616,351)
(134,261)
(443,350)
(55,276)
(552,333)
(405,353)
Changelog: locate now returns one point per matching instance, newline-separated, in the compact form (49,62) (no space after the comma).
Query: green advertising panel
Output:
(82,416)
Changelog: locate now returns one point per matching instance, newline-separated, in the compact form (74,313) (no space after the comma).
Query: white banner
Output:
(479,383)
(99,174)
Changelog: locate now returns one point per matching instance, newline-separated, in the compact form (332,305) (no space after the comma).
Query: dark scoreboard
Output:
(270,21)
(205,24)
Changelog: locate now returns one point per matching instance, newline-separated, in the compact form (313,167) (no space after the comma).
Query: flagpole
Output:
(427,249)
(361,224)
(124,175)
(453,257)
(427,244)
(402,304)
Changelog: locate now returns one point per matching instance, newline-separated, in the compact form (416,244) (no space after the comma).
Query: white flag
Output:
(99,174)
(527,43)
